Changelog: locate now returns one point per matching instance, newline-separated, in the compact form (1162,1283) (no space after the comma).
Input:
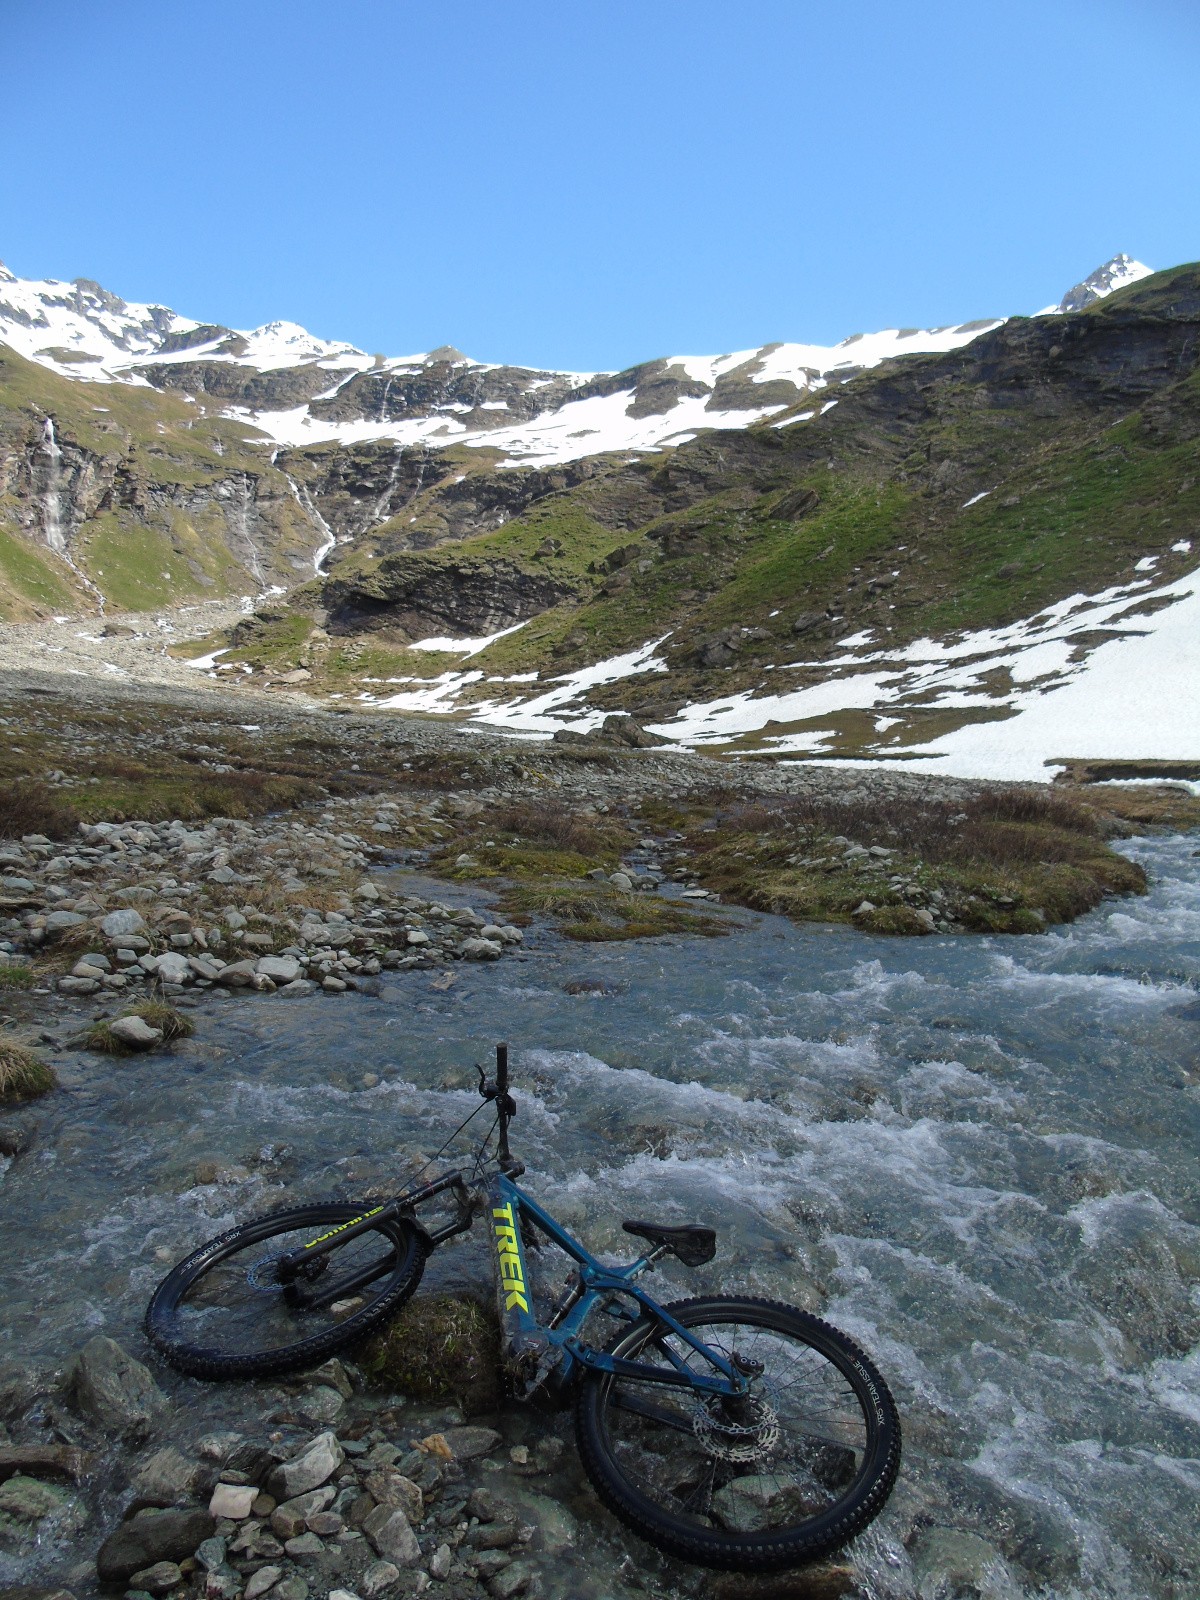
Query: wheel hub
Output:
(742,1431)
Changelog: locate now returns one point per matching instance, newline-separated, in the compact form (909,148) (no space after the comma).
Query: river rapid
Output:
(977,1156)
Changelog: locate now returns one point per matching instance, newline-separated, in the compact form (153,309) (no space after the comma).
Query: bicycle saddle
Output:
(693,1244)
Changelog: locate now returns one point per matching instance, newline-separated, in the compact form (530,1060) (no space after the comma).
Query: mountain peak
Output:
(1114,274)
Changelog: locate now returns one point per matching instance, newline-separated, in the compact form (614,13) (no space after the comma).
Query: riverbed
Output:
(978,1156)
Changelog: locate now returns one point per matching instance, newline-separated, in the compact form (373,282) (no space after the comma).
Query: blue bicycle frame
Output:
(595,1285)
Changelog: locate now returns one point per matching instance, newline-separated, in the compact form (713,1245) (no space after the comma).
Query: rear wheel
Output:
(228,1311)
(795,1468)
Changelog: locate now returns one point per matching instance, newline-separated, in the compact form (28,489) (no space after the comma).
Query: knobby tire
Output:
(599,1406)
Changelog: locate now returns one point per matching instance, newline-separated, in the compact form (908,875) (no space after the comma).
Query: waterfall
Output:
(52,498)
(52,510)
(240,519)
(380,511)
(309,507)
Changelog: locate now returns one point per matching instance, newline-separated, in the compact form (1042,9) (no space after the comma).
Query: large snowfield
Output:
(1131,697)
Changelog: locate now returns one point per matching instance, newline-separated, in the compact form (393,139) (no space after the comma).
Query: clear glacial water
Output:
(978,1156)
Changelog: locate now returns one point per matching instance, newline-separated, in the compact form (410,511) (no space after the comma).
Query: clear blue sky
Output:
(588,183)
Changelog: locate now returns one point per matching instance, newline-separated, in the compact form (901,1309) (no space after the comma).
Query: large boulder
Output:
(117,1392)
(150,1537)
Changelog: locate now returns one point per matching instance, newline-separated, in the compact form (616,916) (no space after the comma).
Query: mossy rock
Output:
(438,1347)
(893,919)
(170,1023)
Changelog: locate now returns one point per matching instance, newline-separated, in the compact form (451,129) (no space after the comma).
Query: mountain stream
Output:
(978,1156)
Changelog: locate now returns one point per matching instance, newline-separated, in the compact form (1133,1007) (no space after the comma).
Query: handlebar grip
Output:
(502,1068)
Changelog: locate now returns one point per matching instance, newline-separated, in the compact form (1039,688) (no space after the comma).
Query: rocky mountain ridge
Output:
(852,506)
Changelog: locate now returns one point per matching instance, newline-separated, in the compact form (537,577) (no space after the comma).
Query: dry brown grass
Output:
(32,807)
(23,1073)
(550,822)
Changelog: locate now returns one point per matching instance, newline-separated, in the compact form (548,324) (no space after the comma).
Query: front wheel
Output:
(230,1311)
(786,1473)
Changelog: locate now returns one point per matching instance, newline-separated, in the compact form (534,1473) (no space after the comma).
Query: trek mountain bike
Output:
(733,1432)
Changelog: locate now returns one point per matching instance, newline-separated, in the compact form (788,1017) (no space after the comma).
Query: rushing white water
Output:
(975,1155)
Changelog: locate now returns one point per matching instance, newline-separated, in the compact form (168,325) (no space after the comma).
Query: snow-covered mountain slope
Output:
(1115,274)
(80,330)
(299,389)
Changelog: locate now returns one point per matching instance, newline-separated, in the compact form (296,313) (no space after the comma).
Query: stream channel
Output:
(976,1155)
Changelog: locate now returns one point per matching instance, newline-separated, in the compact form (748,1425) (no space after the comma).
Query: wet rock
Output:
(168,1476)
(514,1580)
(135,1032)
(150,1537)
(391,1536)
(466,1444)
(391,1488)
(308,1470)
(556,1530)
(115,1391)
(29,1500)
(826,1580)
(31,1591)
(43,1461)
(482,949)
(163,1575)
(210,1553)
(951,1564)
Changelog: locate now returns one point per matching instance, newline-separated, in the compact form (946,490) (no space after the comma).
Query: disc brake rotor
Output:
(747,1436)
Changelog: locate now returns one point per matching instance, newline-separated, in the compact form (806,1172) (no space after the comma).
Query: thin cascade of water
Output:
(381,509)
(52,510)
(241,517)
(311,510)
(52,497)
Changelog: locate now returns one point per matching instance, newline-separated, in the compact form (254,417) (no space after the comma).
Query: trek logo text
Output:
(512,1278)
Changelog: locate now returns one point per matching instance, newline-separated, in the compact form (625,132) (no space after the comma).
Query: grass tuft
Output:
(23,1073)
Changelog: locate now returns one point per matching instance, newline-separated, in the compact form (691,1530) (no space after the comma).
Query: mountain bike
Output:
(733,1432)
